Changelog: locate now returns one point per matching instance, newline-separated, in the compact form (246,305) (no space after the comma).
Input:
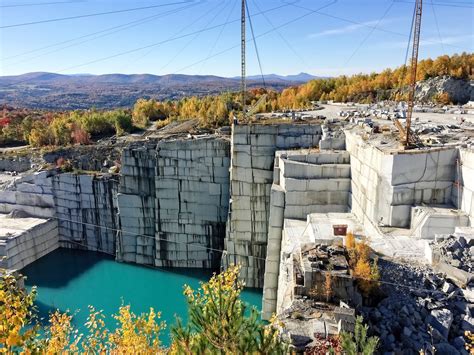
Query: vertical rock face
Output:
(385,186)
(304,182)
(252,155)
(25,240)
(32,193)
(136,202)
(463,189)
(86,209)
(174,202)
(192,193)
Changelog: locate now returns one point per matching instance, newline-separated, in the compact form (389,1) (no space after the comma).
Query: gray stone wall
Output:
(18,164)
(86,209)
(25,240)
(464,171)
(385,186)
(252,155)
(192,192)
(137,204)
(304,182)
(31,193)
(173,202)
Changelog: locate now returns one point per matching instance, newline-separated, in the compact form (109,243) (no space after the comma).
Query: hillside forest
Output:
(41,128)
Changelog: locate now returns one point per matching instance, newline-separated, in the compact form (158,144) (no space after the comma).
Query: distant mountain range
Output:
(300,78)
(78,91)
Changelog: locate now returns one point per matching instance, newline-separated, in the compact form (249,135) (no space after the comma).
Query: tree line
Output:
(39,128)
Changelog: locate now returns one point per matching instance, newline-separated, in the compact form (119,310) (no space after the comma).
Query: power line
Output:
(106,32)
(44,3)
(255,45)
(119,27)
(370,33)
(93,15)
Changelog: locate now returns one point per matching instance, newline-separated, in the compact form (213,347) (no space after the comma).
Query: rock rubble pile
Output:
(422,310)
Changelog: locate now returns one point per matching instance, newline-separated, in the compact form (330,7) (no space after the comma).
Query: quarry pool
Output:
(72,280)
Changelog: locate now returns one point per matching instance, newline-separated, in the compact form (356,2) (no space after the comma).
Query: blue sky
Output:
(345,37)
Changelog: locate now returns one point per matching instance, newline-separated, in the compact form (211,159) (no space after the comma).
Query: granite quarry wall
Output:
(136,204)
(305,181)
(179,202)
(44,210)
(385,186)
(174,202)
(464,182)
(23,242)
(83,203)
(251,177)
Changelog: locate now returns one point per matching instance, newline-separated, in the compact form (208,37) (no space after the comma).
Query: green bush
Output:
(97,123)
(122,122)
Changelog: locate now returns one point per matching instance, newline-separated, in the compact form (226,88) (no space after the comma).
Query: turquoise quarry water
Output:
(72,280)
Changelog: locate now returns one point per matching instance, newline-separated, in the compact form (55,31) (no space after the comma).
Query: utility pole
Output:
(242,49)
(414,64)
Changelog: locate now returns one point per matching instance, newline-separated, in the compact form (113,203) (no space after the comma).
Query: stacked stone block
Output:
(32,193)
(252,156)
(192,193)
(464,182)
(385,186)
(86,209)
(137,205)
(304,182)
(25,240)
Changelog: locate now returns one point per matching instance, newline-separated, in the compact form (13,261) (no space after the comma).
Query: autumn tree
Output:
(220,322)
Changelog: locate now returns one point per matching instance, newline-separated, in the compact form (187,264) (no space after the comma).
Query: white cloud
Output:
(349,28)
(433,41)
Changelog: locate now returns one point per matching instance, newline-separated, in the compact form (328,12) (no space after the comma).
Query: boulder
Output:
(459,90)
(446,349)
(441,320)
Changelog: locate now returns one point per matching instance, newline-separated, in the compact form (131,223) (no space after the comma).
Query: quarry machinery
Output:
(407,136)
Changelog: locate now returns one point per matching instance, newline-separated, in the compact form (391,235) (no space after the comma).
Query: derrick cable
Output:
(221,31)
(192,39)
(171,39)
(437,26)
(101,31)
(118,29)
(441,4)
(410,36)
(255,45)
(222,251)
(281,35)
(94,14)
(155,44)
(363,24)
(370,33)
(264,33)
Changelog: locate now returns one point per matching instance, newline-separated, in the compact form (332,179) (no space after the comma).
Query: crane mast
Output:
(242,49)
(414,65)
(407,137)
